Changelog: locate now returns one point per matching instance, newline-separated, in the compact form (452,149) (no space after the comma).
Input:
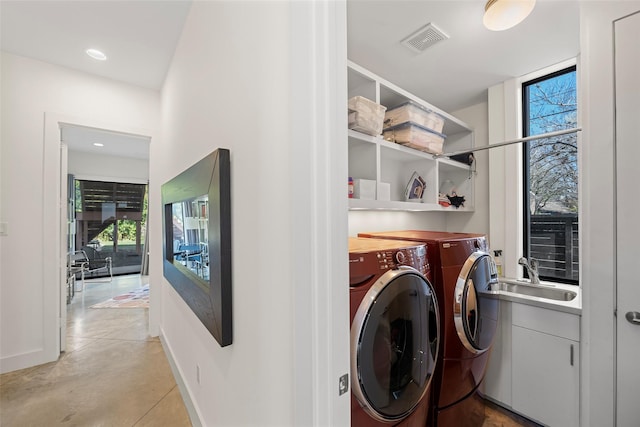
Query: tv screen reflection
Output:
(190,235)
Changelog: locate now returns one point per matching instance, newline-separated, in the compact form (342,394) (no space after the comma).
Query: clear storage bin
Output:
(415,136)
(365,115)
(415,113)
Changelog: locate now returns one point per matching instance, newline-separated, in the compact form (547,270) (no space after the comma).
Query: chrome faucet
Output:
(532,269)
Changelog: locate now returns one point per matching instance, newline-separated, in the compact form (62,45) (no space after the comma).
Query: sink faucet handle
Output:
(534,263)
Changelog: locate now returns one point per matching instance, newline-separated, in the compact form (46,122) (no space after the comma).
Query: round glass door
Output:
(475,306)
(394,340)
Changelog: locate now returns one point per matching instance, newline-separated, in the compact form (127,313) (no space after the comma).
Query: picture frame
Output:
(197,261)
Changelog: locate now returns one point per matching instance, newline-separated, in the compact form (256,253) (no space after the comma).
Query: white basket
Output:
(365,115)
(415,113)
(415,136)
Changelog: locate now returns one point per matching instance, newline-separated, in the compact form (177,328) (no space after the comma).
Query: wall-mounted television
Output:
(197,241)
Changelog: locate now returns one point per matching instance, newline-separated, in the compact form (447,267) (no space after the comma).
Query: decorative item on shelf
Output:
(351,187)
(456,200)
(448,196)
(443,200)
(415,188)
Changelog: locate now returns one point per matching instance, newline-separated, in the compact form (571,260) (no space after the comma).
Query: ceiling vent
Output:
(424,37)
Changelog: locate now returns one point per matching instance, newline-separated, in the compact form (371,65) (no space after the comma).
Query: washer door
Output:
(475,306)
(394,344)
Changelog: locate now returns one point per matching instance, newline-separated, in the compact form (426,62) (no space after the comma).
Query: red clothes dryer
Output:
(394,333)
(463,276)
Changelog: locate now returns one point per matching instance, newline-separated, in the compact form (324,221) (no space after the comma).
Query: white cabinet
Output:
(387,162)
(545,365)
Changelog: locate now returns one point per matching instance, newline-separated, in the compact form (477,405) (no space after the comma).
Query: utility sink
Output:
(540,291)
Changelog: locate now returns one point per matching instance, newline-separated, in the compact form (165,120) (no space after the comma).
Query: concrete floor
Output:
(112,373)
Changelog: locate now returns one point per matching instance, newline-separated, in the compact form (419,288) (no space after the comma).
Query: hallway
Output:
(112,373)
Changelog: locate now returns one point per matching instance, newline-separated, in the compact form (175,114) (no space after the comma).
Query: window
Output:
(110,222)
(551,176)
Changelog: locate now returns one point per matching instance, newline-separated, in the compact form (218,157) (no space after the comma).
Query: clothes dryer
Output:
(394,333)
(463,275)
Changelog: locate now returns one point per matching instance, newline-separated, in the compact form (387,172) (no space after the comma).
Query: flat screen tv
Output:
(197,241)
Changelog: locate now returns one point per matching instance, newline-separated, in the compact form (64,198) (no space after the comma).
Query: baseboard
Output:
(184,391)
(23,361)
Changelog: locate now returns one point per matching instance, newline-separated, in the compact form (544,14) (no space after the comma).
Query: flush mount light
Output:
(98,144)
(501,15)
(96,54)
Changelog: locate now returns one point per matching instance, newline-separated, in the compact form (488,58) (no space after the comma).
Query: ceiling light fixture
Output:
(96,54)
(98,144)
(501,15)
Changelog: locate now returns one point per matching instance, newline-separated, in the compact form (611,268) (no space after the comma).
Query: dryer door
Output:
(394,344)
(475,306)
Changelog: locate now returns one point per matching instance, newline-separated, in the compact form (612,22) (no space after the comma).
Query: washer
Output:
(394,333)
(463,276)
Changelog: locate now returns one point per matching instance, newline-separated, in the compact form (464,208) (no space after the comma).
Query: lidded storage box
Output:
(416,113)
(415,136)
(365,115)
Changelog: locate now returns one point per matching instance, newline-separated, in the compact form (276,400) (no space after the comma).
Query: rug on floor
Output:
(138,298)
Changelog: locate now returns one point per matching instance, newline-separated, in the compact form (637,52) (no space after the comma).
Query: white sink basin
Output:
(540,291)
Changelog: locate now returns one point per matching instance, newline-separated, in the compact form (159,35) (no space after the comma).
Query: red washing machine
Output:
(394,333)
(463,276)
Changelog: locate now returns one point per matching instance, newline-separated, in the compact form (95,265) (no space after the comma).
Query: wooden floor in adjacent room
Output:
(496,416)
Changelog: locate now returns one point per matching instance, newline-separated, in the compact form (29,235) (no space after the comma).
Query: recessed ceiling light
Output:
(98,144)
(96,54)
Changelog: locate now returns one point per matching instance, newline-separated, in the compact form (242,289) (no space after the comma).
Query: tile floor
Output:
(113,374)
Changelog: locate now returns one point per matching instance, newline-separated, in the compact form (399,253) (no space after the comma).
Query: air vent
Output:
(425,37)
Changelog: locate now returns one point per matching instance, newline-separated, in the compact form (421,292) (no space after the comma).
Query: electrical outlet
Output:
(198,374)
(343,384)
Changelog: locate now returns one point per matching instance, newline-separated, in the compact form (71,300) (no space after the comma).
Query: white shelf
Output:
(373,158)
(385,205)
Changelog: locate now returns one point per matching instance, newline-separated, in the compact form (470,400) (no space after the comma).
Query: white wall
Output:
(29,296)
(91,166)
(477,221)
(596,197)
(259,79)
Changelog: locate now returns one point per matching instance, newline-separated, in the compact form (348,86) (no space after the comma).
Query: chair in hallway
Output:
(89,262)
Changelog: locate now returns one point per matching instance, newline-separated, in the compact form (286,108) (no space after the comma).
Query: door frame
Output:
(623,405)
(54,302)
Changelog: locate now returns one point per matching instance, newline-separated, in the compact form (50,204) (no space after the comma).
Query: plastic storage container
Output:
(365,115)
(415,136)
(415,113)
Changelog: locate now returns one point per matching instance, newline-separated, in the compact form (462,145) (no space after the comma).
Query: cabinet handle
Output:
(571,355)
(633,317)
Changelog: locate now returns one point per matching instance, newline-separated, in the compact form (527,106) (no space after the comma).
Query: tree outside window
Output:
(551,175)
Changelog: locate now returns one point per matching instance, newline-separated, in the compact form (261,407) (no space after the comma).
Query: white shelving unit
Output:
(387,162)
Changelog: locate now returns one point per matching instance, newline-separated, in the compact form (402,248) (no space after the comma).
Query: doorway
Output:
(114,165)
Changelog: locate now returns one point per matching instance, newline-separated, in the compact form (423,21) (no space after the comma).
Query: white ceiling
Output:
(79,138)
(456,73)
(139,38)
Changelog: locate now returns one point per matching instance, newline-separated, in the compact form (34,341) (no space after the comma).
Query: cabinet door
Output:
(545,377)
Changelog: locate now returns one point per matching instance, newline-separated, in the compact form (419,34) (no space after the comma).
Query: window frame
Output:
(526,216)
